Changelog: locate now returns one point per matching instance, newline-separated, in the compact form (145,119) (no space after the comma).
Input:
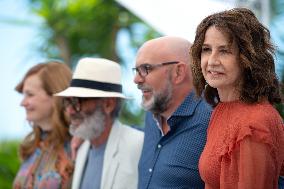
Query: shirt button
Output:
(150,170)
(159,146)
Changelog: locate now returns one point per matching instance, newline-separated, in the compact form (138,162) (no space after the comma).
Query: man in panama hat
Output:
(108,158)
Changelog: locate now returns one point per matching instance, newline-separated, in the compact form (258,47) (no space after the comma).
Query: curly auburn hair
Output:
(256,53)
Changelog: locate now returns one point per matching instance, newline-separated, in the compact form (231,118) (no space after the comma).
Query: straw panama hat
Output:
(95,77)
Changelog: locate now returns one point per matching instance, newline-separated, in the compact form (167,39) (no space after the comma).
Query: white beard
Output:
(92,127)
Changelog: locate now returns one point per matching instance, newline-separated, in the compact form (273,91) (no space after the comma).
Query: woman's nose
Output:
(213,59)
(24,102)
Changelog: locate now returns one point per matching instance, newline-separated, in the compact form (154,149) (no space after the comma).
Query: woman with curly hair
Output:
(233,67)
(45,152)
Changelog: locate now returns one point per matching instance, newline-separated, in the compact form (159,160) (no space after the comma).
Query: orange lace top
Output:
(245,147)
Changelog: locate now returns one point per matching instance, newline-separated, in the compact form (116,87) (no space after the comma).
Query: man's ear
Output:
(109,105)
(180,72)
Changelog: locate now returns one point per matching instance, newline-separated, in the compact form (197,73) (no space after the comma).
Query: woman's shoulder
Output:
(262,123)
(259,122)
(262,115)
(242,113)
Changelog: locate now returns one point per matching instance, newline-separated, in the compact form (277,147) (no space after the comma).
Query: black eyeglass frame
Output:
(144,69)
(75,102)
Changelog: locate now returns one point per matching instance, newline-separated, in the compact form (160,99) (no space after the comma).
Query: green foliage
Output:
(276,7)
(132,117)
(277,16)
(76,28)
(280,107)
(9,163)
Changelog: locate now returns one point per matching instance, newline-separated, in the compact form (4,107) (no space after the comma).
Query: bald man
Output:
(176,122)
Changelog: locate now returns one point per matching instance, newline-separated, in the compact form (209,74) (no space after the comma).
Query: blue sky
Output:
(16,40)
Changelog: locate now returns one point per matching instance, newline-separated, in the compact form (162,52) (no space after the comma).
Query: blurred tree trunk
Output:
(64,50)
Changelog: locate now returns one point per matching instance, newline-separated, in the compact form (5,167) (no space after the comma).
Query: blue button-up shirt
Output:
(171,160)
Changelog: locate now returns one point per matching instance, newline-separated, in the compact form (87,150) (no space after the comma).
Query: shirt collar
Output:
(186,108)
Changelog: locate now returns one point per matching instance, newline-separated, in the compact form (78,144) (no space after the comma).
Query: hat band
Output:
(110,87)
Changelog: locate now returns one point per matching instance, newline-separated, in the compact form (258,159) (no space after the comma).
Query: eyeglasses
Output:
(75,102)
(144,69)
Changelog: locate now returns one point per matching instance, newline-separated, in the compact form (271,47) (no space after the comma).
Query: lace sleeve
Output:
(250,166)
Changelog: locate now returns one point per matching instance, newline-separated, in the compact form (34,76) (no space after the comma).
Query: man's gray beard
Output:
(92,126)
(160,100)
